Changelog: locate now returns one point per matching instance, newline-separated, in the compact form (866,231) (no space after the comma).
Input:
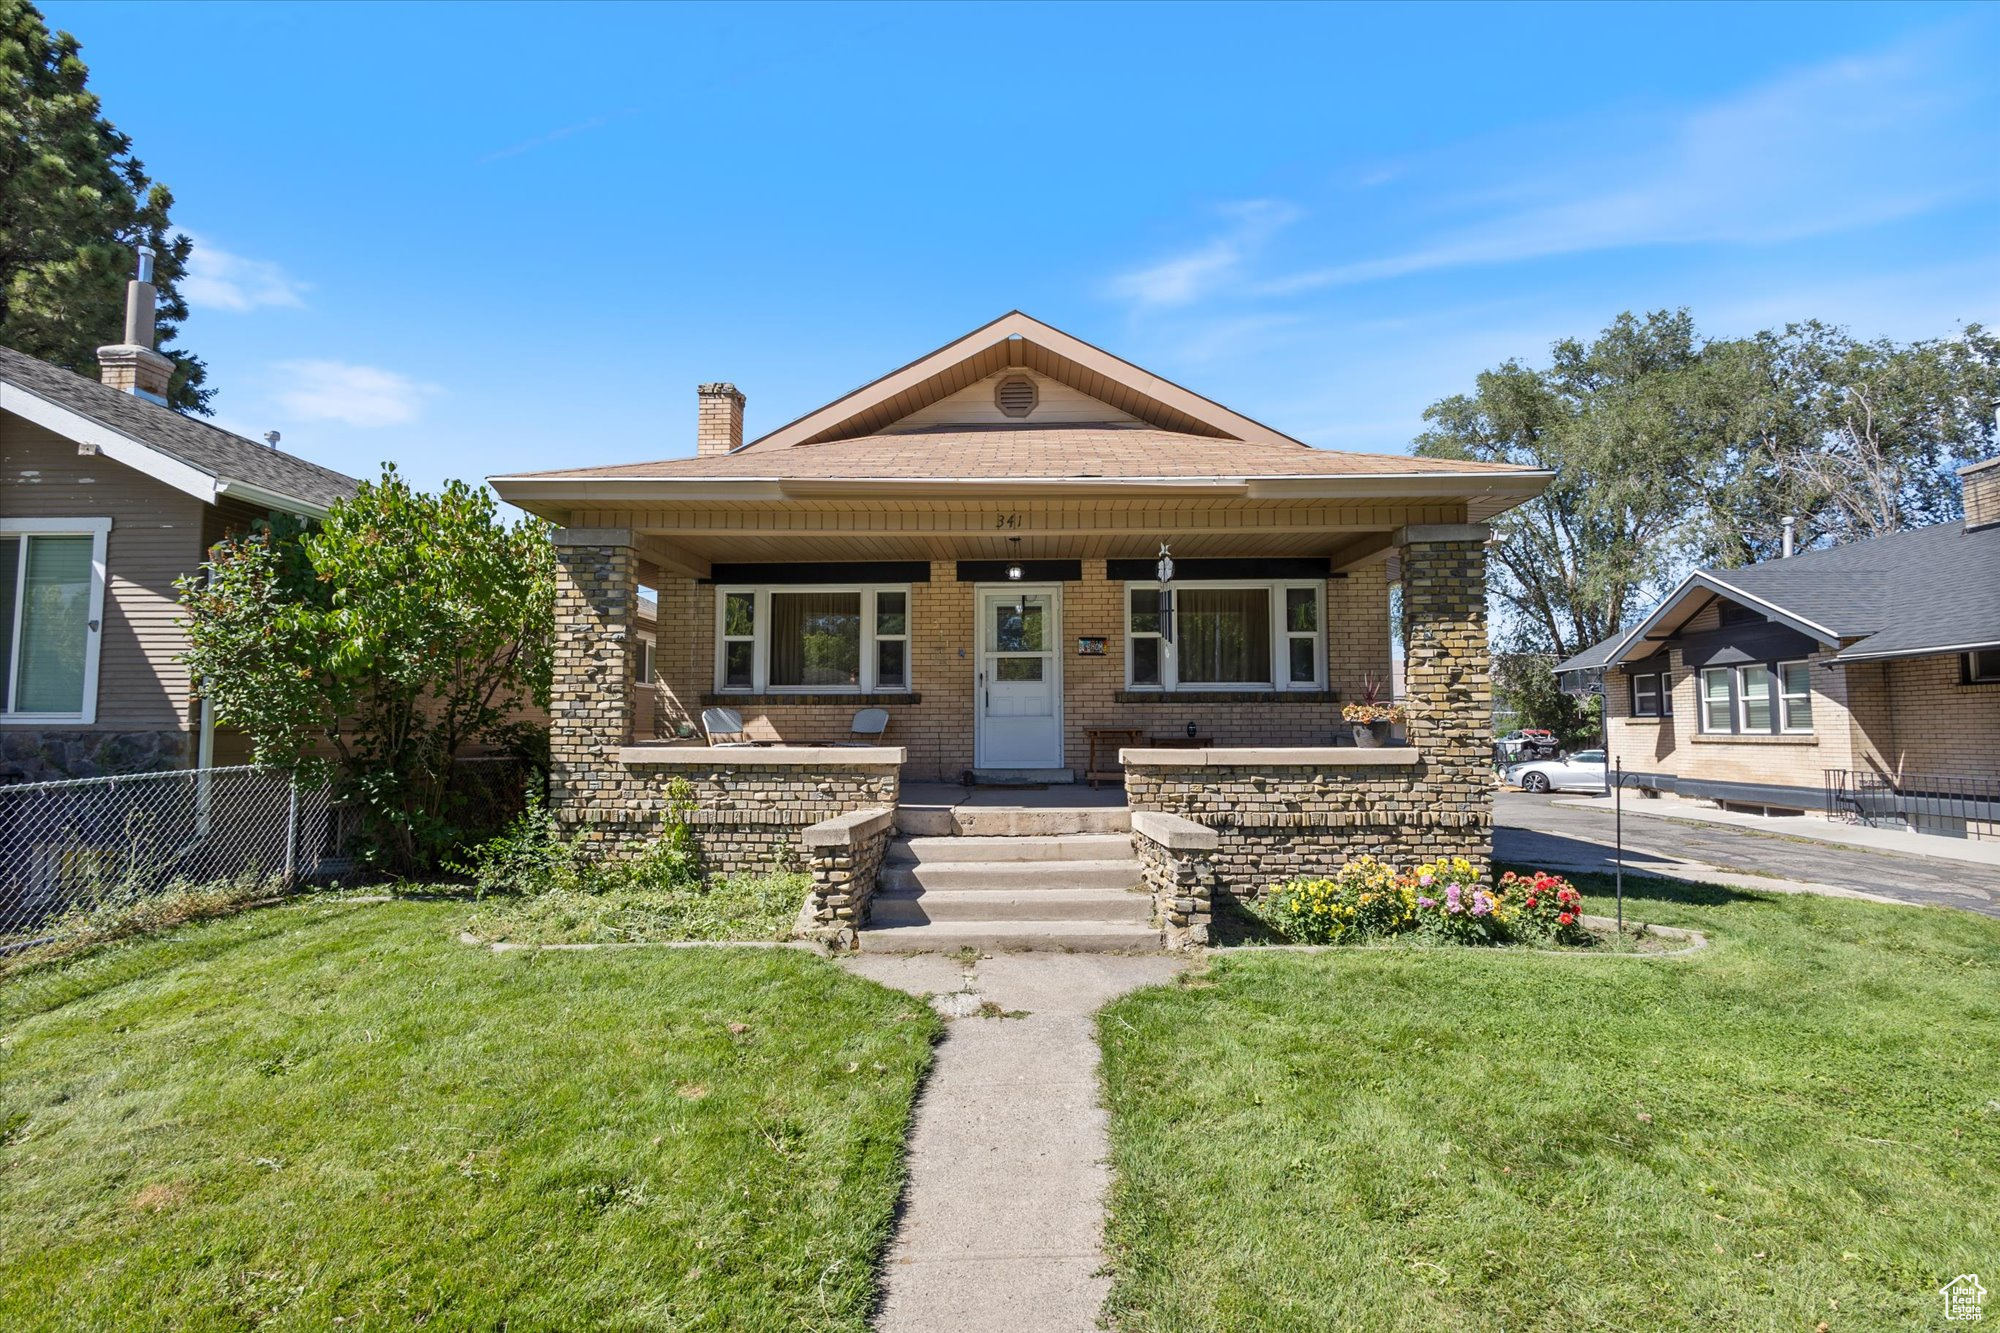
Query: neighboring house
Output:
(1861,680)
(972,542)
(106,498)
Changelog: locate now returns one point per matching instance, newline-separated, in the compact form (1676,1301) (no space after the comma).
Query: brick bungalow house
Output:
(972,542)
(106,498)
(1862,681)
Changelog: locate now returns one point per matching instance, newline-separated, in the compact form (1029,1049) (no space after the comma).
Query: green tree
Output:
(1853,438)
(1627,423)
(376,648)
(1525,685)
(1672,453)
(73,204)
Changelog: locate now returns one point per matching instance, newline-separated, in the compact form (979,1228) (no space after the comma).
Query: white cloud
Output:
(362,396)
(1188,277)
(1833,148)
(219,280)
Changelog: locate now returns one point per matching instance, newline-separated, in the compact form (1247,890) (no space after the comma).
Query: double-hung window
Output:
(812,640)
(1795,695)
(1717,699)
(51,609)
(1226,636)
(1652,694)
(1757,699)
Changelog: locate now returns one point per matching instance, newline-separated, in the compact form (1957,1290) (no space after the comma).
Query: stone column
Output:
(1447,683)
(590,702)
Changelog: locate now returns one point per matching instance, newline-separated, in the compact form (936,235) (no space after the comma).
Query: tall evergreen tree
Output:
(73,204)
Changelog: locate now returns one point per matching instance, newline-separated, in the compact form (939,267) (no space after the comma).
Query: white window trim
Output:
(649,659)
(1656,693)
(1728,674)
(99,531)
(1743,727)
(1783,715)
(760,654)
(1972,675)
(1281,637)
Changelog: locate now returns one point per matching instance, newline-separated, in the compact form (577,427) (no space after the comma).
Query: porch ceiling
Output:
(689,538)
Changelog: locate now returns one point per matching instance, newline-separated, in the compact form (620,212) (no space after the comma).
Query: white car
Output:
(1582,771)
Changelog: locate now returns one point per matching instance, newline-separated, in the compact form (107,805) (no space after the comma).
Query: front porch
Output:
(976,546)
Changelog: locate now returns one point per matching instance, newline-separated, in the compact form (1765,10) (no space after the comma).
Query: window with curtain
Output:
(1226,637)
(834,640)
(816,640)
(46,640)
(1223,635)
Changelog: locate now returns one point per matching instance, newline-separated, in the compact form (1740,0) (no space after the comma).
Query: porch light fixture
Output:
(1014,566)
(1165,569)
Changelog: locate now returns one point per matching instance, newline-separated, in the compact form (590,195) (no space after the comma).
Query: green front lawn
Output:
(1796,1128)
(324,1111)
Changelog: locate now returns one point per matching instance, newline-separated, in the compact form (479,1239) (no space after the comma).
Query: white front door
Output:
(1017,707)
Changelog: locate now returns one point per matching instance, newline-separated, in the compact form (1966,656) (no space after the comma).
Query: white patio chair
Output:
(867,728)
(724,727)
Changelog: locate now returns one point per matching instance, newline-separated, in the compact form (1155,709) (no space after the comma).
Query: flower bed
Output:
(1446,901)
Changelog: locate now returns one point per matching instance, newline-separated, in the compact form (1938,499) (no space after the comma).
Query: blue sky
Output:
(482,239)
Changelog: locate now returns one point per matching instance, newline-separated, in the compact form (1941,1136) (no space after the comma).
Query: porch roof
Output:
(1050,460)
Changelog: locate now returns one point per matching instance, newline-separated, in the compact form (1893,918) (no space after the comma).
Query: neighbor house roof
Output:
(1909,594)
(205,461)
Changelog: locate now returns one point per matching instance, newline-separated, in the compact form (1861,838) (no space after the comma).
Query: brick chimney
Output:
(133,366)
(718,427)
(1981,482)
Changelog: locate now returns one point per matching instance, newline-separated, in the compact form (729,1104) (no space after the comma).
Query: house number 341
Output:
(1006,520)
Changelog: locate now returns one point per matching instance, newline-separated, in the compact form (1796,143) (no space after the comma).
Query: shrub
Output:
(532,857)
(1364,898)
(1456,905)
(1448,901)
(1547,908)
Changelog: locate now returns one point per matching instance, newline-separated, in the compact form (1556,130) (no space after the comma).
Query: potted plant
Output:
(1372,715)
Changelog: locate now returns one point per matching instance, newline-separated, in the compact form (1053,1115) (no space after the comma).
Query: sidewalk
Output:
(1001,1229)
(1809,827)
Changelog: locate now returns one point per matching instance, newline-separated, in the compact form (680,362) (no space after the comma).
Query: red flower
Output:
(1531,902)
(1566,918)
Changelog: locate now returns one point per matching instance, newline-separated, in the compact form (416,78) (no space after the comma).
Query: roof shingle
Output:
(207,448)
(1050,452)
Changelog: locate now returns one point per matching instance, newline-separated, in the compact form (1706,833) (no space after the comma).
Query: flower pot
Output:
(1371,735)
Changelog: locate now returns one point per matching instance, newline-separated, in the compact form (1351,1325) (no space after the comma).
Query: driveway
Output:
(1533,830)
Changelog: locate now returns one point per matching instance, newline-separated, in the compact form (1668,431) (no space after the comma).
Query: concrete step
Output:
(1055,847)
(1011,936)
(1020,876)
(908,907)
(1024,777)
(974,821)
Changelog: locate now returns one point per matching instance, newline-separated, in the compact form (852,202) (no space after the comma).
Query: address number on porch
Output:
(1006,520)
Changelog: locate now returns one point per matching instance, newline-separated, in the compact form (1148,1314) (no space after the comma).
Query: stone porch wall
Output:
(749,811)
(934,720)
(1278,813)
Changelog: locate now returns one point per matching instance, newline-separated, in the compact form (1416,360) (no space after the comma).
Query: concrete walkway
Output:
(1002,1222)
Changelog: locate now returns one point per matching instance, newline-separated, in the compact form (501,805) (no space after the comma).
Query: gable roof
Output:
(1018,340)
(1908,594)
(206,461)
(1166,437)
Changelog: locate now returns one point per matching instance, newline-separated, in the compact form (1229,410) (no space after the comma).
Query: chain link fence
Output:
(96,843)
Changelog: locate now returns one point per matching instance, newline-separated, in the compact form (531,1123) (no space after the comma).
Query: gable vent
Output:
(1016,396)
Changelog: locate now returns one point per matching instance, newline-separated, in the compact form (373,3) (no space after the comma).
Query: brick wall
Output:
(937,728)
(748,817)
(1910,716)
(1276,821)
